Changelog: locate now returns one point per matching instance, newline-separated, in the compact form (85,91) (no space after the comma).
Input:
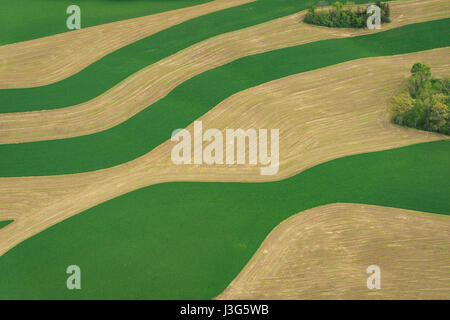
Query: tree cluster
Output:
(339,17)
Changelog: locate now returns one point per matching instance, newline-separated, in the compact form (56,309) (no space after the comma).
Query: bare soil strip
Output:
(50,59)
(323,253)
(322,115)
(156,81)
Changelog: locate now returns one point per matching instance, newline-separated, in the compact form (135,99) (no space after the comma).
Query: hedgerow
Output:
(338,17)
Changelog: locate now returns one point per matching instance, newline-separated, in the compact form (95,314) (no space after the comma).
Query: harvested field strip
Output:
(154,125)
(323,253)
(192,248)
(156,81)
(19,22)
(47,60)
(115,67)
(311,133)
(29,64)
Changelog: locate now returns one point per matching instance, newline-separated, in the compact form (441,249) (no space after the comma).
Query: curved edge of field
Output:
(153,83)
(50,59)
(44,25)
(4,223)
(318,121)
(323,253)
(167,233)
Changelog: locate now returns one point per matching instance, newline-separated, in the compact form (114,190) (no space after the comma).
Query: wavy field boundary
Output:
(117,66)
(167,232)
(4,223)
(32,63)
(318,120)
(47,60)
(323,253)
(151,127)
(192,248)
(20,22)
(154,82)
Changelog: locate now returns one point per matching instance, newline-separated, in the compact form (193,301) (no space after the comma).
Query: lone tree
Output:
(420,80)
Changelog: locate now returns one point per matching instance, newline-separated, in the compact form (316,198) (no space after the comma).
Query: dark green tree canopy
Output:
(339,17)
(424,102)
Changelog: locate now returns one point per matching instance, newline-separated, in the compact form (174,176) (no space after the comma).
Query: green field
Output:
(189,240)
(154,125)
(115,67)
(22,20)
(4,223)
